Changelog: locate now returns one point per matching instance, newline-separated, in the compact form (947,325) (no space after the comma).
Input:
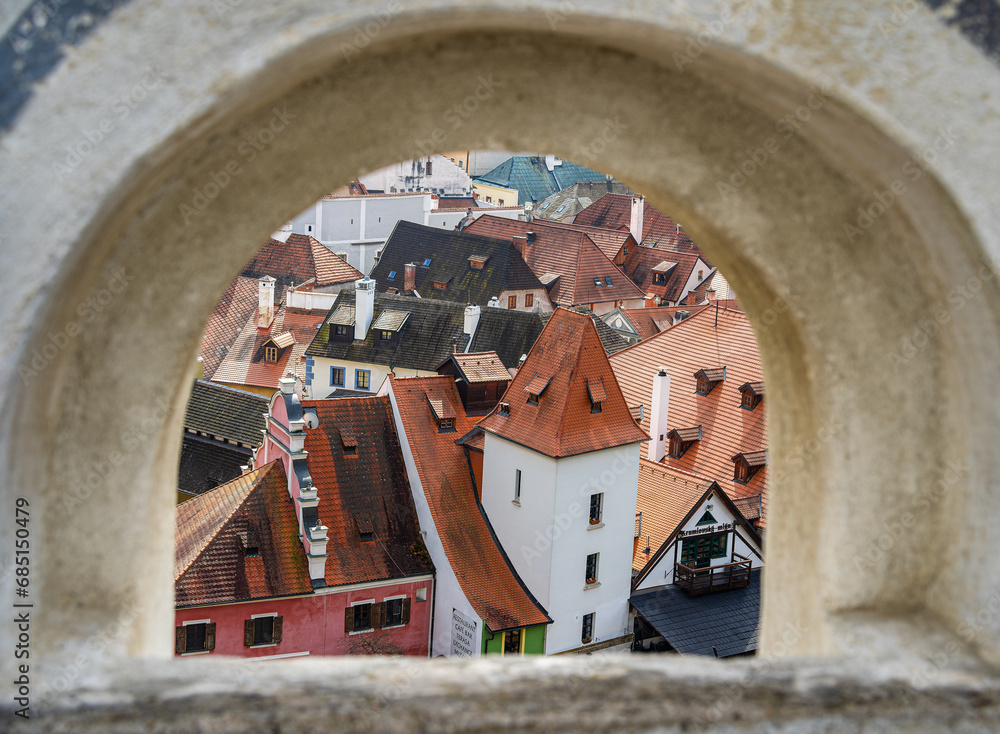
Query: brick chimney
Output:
(658,412)
(636,218)
(409,277)
(520,244)
(265,302)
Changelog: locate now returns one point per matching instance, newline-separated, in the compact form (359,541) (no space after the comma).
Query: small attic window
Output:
(536,387)
(597,282)
(251,551)
(367,536)
(753,395)
(427,263)
(270,354)
(439,286)
(747,464)
(707,379)
(607,280)
(392,275)
(476,262)
(595,390)
(681,439)
(659,278)
(707,519)
(349,442)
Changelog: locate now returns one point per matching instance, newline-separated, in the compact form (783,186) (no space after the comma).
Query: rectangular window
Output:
(393,612)
(596,508)
(362,379)
(592,568)
(529,300)
(362,617)
(512,642)
(587,633)
(270,354)
(607,280)
(511,302)
(384,335)
(597,282)
(262,630)
(501,202)
(701,550)
(392,274)
(195,637)
(517,486)
(337,376)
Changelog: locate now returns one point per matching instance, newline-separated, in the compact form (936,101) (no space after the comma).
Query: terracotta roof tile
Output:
(214,530)
(727,428)
(614,211)
(298,259)
(228,318)
(566,355)
(640,267)
(665,498)
(483,571)
(565,252)
(481,367)
(649,321)
(366,491)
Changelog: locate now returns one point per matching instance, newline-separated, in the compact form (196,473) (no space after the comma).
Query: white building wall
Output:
(549,536)
(693,280)
(540,300)
(662,573)
(448,594)
(321,387)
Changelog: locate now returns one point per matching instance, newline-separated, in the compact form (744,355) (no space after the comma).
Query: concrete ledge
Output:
(610,693)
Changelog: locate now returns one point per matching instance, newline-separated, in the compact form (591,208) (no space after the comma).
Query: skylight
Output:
(597,282)
(392,274)
(427,262)
(607,279)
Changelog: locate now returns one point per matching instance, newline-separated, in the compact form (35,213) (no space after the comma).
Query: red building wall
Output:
(315,623)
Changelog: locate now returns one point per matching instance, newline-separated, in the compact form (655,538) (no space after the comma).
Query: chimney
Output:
(658,410)
(265,302)
(519,241)
(364,307)
(472,314)
(409,277)
(636,218)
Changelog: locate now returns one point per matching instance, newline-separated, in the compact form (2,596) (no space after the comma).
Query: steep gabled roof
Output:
(245,364)
(206,463)
(226,413)
(448,252)
(363,492)
(298,259)
(650,321)
(640,265)
(665,498)
(510,334)
(569,202)
(611,241)
(214,531)
(613,341)
(614,211)
(568,253)
(727,429)
(567,354)
(476,557)
(228,318)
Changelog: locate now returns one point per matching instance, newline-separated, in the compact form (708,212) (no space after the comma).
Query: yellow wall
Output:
(493,194)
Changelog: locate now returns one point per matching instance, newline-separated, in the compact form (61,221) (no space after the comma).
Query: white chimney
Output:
(364,307)
(636,218)
(472,314)
(265,302)
(658,410)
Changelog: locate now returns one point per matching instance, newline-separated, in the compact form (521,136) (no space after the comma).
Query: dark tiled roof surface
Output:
(510,334)
(727,620)
(207,464)
(364,492)
(483,571)
(425,341)
(727,429)
(225,412)
(449,252)
(230,315)
(214,529)
(614,211)
(566,252)
(567,354)
(532,179)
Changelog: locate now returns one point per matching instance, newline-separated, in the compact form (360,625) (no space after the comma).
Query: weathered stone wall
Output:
(135,141)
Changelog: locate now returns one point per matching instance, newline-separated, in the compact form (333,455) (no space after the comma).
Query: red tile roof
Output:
(611,241)
(245,363)
(665,498)
(481,367)
(565,252)
(482,568)
(727,429)
(649,321)
(214,530)
(639,267)
(230,315)
(363,492)
(298,259)
(566,356)
(614,211)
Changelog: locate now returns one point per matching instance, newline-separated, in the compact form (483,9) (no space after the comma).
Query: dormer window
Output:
(444,414)
(595,389)
(753,395)
(440,285)
(349,442)
(342,324)
(659,278)
(681,439)
(270,354)
(747,464)
(707,379)
(476,262)
(536,387)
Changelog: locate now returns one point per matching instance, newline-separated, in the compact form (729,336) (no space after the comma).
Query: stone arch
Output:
(861,441)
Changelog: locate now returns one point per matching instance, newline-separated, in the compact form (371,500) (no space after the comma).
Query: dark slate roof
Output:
(206,464)
(611,340)
(226,412)
(425,340)
(532,179)
(728,620)
(510,334)
(449,252)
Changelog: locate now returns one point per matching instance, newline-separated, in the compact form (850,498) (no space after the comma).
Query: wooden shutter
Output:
(276,631)
(248,632)
(182,640)
(378,615)
(210,636)
(406,611)
(349,619)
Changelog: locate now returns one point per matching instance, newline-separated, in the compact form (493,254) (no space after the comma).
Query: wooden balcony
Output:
(707,580)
